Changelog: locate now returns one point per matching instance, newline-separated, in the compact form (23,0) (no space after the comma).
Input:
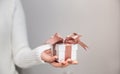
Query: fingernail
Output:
(56,57)
(75,62)
(63,63)
(70,62)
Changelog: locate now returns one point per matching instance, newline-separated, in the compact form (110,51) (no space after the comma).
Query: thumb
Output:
(48,58)
(51,59)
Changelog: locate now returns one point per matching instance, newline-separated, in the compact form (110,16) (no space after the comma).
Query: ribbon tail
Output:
(83,45)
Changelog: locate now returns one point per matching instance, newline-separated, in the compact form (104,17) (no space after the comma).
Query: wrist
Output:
(40,50)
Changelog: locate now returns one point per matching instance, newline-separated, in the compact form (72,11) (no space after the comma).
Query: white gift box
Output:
(65,51)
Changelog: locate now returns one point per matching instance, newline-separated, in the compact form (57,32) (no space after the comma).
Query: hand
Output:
(47,57)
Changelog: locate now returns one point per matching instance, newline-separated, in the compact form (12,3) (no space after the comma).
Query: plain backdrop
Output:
(97,20)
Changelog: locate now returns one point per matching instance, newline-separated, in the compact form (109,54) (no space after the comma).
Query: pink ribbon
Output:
(73,38)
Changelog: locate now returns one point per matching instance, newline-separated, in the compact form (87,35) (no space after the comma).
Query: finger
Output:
(47,58)
(48,51)
(52,59)
(69,61)
(59,65)
(74,62)
(63,62)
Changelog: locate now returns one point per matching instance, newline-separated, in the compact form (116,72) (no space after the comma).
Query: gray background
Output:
(98,22)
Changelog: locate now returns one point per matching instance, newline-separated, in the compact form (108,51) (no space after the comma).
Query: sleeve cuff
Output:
(40,49)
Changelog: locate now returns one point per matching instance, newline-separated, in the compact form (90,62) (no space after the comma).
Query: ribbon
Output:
(56,39)
(73,38)
(68,51)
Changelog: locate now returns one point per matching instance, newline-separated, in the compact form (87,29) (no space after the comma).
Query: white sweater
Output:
(14,49)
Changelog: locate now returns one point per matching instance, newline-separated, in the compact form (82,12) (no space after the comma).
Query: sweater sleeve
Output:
(23,56)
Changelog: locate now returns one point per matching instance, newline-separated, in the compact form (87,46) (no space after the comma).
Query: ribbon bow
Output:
(73,38)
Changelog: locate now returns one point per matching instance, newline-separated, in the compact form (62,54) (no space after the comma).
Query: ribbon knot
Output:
(73,38)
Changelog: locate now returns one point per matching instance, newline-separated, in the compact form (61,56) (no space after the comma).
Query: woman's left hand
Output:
(47,57)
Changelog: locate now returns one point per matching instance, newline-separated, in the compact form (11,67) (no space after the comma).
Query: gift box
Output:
(66,51)
(66,48)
